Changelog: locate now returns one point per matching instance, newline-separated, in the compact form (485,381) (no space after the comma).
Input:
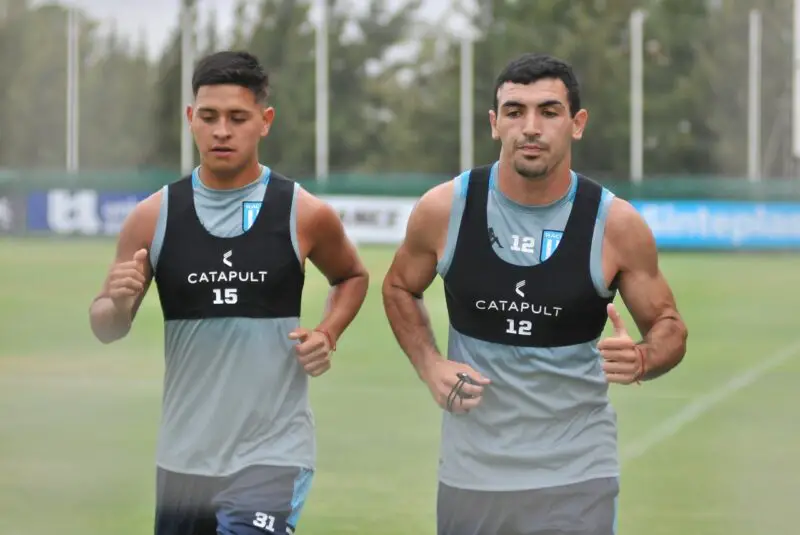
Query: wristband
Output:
(642,362)
(328,337)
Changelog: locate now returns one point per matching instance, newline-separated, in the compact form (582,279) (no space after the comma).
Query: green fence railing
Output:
(412,185)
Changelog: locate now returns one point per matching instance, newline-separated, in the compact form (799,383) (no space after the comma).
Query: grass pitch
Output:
(710,449)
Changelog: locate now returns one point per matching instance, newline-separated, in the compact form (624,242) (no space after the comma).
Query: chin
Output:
(224,168)
(532,173)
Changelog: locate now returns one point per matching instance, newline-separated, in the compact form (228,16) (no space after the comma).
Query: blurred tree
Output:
(13,13)
(241,25)
(725,63)
(423,136)
(35,89)
(283,39)
(165,143)
(677,94)
(776,90)
(359,73)
(211,38)
(114,83)
(394,85)
(591,35)
(116,123)
(363,79)
(588,33)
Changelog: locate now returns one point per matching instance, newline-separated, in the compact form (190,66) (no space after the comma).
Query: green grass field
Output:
(711,449)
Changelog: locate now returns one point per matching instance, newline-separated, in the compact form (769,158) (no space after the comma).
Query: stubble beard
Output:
(537,172)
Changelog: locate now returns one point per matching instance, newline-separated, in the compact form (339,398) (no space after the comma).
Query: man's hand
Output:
(126,281)
(114,308)
(623,360)
(313,351)
(442,378)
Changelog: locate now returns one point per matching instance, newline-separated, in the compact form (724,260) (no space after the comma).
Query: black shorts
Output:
(258,500)
(587,508)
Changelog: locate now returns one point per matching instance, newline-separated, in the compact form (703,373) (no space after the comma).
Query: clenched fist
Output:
(126,281)
(450,391)
(623,360)
(313,351)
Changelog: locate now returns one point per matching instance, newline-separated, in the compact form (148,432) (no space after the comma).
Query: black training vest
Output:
(253,275)
(550,304)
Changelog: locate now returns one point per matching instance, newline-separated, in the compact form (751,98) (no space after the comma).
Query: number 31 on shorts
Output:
(265,522)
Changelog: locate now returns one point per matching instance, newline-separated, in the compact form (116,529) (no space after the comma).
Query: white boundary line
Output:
(694,410)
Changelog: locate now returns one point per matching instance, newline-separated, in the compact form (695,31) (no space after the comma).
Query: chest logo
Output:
(226,259)
(550,241)
(493,239)
(520,285)
(250,210)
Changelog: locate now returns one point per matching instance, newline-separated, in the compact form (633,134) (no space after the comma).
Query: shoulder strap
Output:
(276,206)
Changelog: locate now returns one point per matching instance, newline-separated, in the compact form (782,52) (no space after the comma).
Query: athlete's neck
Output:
(226,182)
(533,192)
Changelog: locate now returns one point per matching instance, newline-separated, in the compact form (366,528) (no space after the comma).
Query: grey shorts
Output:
(259,500)
(587,508)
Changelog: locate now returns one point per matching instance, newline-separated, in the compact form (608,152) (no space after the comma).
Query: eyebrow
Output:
(545,104)
(213,110)
(550,103)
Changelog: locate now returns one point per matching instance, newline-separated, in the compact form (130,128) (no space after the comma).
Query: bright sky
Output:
(155,19)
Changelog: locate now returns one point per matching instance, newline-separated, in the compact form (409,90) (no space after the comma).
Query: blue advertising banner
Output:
(722,224)
(12,212)
(83,212)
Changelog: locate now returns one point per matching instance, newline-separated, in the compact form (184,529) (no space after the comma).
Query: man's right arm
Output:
(411,273)
(109,320)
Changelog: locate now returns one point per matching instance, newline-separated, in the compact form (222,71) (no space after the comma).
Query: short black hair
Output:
(232,67)
(530,68)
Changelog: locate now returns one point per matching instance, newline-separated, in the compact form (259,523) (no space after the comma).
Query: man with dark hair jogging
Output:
(227,249)
(531,255)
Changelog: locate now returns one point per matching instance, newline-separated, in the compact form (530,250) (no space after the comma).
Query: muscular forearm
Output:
(108,323)
(412,328)
(344,302)
(664,346)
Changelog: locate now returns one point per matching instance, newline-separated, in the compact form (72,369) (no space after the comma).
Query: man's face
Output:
(534,125)
(227,123)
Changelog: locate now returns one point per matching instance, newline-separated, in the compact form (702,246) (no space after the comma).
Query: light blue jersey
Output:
(546,419)
(234,392)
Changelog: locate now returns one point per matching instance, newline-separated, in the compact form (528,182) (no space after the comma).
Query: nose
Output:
(532,127)
(222,130)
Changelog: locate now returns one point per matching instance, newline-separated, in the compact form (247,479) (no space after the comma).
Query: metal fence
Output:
(686,88)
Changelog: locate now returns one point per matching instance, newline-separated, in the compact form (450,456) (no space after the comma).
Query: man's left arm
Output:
(337,259)
(323,241)
(645,292)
